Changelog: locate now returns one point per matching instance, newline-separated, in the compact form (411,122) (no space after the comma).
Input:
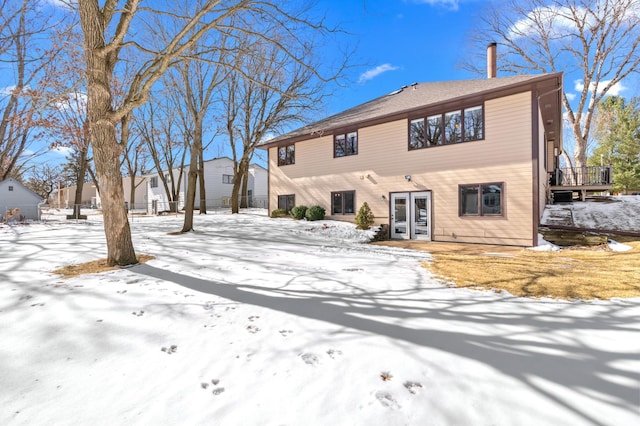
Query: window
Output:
(481,199)
(10,188)
(451,127)
(154,182)
(286,202)
(343,202)
(345,144)
(416,133)
(473,124)
(167,178)
(227,179)
(434,130)
(286,155)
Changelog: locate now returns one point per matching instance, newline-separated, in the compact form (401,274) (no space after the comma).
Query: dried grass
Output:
(568,274)
(93,267)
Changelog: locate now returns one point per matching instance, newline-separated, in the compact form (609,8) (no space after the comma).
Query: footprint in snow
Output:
(285,333)
(138,314)
(413,387)
(252,329)
(387,400)
(333,352)
(170,350)
(253,317)
(310,358)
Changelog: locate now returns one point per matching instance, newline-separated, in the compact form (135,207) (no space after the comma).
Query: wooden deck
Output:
(590,179)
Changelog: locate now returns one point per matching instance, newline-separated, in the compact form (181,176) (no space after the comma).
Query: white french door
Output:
(411,215)
(399,215)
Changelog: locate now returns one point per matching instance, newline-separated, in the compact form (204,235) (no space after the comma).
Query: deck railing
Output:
(582,176)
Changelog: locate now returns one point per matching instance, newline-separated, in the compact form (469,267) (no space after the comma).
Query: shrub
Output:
(298,212)
(364,218)
(279,213)
(315,213)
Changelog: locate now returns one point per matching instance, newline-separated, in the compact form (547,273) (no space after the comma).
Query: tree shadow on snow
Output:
(582,369)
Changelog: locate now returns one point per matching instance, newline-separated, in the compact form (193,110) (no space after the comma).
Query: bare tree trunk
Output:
(82,170)
(192,178)
(106,150)
(244,193)
(132,193)
(203,191)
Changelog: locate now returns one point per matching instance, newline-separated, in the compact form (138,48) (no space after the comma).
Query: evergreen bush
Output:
(279,213)
(298,212)
(364,218)
(315,213)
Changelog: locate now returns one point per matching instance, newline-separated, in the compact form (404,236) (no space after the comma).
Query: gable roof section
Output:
(420,96)
(25,190)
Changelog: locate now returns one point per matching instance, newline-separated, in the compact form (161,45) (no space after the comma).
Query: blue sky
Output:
(399,42)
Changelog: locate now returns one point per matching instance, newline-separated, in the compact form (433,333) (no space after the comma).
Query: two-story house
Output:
(218,178)
(466,161)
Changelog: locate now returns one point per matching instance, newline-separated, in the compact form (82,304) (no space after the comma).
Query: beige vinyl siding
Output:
(384,159)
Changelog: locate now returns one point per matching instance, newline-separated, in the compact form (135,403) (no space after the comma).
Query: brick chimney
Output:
(491,60)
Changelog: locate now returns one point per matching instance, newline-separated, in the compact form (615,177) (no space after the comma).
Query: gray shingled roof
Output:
(408,98)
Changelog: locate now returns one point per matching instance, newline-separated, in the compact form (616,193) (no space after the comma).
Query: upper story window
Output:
(10,188)
(153,182)
(451,127)
(345,144)
(286,155)
(486,199)
(473,124)
(227,178)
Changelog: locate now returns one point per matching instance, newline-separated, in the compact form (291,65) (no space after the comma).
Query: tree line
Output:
(130,86)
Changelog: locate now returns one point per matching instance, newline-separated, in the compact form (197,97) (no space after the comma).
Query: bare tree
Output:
(135,157)
(109,29)
(267,91)
(199,79)
(20,24)
(166,142)
(596,39)
(43,179)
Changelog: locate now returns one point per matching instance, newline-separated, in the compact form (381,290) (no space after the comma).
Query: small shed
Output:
(17,202)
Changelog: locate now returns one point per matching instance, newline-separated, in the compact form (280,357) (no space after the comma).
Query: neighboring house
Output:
(65,197)
(218,177)
(259,182)
(460,161)
(17,202)
(91,196)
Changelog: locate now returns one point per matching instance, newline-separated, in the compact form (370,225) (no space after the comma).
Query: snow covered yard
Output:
(258,321)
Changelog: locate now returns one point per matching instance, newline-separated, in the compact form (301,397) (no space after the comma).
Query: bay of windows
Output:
(451,127)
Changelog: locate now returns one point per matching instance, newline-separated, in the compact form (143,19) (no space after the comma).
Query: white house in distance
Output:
(17,202)
(218,176)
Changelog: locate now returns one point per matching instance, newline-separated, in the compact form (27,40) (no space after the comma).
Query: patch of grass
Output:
(94,267)
(567,274)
